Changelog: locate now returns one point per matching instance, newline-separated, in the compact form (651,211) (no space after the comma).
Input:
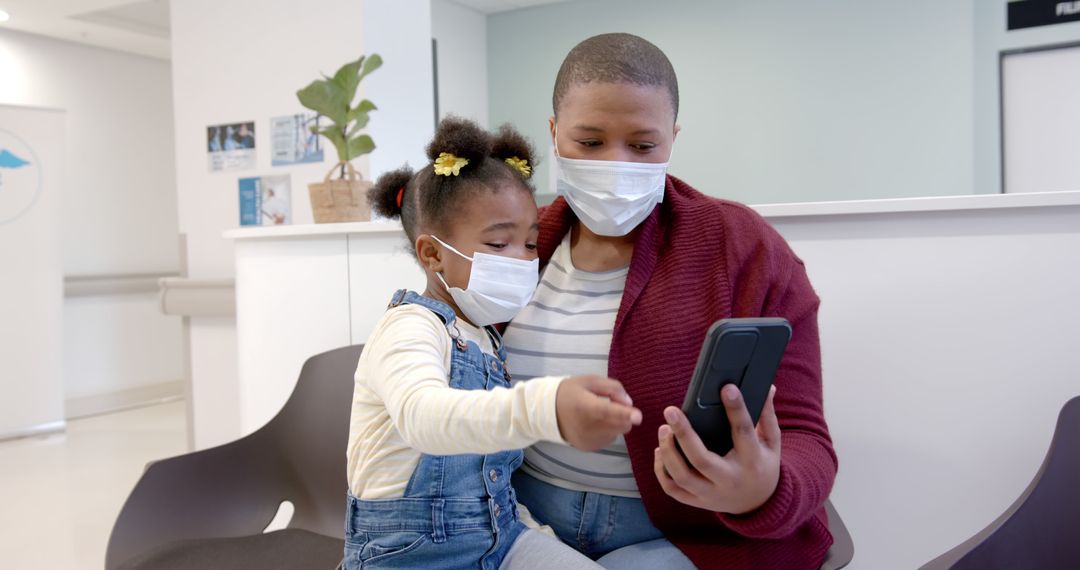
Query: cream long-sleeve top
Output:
(403,405)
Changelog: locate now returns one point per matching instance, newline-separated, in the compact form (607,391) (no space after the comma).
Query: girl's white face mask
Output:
(610,197)
(499,287)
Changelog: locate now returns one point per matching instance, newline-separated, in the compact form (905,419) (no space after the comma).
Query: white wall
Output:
(118,206)
(133,345)
(461,34)
(949,347)
(780,101)
(245,64)
(400,31)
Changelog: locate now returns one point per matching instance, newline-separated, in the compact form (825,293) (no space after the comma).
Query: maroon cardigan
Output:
(696,260)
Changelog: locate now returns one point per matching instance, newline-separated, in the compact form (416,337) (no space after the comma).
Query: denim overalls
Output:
(458,511)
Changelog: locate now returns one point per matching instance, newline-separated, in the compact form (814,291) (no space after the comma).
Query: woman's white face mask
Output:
(499,287)
(610,197)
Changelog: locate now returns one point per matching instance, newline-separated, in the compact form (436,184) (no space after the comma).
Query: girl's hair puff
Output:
(507,142)
(389,188)
(425,201)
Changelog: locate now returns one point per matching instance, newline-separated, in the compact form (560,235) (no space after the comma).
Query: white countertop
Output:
(840,208)
(253,232)
(926,204)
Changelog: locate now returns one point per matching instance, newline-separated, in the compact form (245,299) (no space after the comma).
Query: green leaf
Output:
(359,146)
(325,98)
(360,123)
(332,98)
(358,117)
(338,138)
(348,78)
(373,62)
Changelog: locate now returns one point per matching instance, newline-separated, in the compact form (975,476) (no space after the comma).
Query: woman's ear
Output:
(429,254)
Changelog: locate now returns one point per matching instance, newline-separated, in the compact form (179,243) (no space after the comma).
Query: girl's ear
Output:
(429,254)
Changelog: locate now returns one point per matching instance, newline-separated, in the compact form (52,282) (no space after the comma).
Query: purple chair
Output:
(208,509)
(1042,528)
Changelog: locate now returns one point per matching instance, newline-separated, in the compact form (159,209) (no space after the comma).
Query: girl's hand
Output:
(592,410)
(736,483)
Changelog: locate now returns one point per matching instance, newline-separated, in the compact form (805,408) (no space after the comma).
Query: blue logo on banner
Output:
(20,177)
(9,160)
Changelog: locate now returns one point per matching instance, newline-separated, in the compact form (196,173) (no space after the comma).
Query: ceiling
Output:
(493,6)
(142,26)
(134,26)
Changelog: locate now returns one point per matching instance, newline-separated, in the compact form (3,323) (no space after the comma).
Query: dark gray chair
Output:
(1042,528)
(208,509)
(843,548)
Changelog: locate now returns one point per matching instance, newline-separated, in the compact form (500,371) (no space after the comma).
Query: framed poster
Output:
(293,141)
(231,147)
(265,201)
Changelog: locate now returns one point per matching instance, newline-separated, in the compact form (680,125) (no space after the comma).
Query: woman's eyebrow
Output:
(639,132)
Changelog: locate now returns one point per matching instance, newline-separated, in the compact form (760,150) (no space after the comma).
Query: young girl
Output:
(436,427)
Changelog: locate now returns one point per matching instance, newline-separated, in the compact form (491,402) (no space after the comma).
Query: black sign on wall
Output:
(1032,13)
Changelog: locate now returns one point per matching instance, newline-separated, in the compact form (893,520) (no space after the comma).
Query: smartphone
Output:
(744,352)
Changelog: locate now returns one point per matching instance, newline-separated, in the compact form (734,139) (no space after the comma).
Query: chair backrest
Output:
(311,434)
(1040,529)
(234,489)
(843,548)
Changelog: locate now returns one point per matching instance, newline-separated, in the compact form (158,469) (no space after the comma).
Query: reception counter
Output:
(301,290)
(948,326)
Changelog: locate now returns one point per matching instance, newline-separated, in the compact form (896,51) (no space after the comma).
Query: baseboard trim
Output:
(35,431)
(123,399)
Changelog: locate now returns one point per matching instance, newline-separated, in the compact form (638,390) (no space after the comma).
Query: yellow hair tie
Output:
(521,165)
(448,164)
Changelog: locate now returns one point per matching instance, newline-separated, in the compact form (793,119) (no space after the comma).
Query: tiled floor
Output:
(60,494)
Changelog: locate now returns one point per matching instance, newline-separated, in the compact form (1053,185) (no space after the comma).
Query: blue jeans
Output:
(458,511)
(614,531)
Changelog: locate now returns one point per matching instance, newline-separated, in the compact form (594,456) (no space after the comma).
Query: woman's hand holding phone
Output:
(736,483)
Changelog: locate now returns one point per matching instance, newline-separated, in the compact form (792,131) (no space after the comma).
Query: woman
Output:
(637,266)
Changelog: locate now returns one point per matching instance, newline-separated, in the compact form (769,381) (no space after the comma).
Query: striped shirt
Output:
(565,331)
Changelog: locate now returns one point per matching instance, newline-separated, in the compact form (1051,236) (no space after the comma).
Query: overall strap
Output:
(500,348)
(441,310)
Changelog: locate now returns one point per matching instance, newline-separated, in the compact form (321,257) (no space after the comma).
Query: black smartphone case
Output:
(744,352)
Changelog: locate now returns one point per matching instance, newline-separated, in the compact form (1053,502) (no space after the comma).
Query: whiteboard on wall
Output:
(1040,98)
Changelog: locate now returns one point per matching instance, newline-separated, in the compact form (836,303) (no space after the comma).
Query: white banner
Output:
(31,270)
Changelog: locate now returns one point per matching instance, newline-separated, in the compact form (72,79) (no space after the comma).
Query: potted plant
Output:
(342,199)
